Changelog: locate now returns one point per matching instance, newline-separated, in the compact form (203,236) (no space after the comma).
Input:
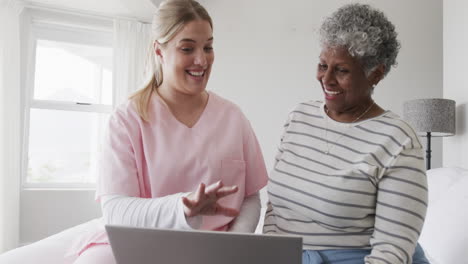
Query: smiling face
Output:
(187,59)
(346,87)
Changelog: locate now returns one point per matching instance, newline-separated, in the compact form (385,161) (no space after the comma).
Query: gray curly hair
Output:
(365,32)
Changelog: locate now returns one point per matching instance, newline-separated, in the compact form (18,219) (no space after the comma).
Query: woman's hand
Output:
(204,201)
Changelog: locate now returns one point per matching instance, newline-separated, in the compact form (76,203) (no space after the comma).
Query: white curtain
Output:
(132,60)
(10,109)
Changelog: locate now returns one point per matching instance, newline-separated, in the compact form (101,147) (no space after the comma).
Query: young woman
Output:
(175,155)
(173,137)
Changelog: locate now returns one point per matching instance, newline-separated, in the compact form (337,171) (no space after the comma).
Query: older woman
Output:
(349,176)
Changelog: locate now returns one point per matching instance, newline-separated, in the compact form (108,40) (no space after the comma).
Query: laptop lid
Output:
(133,245)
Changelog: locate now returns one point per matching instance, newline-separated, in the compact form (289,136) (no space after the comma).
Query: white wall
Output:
(46,212)
(267,51)
(455,78)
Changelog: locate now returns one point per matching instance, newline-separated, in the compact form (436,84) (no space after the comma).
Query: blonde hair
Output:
(169,19)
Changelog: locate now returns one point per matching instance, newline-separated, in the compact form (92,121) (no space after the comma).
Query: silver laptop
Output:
(133,245)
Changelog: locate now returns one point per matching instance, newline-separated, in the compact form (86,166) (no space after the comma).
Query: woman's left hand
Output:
(204,201)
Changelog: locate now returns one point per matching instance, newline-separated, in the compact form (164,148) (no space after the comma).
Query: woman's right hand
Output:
(204,201)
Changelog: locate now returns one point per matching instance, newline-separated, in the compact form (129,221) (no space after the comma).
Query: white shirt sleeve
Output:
(247,220)
(164,212)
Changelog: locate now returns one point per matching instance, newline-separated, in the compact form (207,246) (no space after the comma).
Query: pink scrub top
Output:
(163,156)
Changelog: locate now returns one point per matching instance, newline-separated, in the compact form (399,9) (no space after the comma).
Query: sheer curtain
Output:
(132,57)
(9,124)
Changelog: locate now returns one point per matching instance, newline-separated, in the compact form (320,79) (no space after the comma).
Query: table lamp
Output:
(434,117)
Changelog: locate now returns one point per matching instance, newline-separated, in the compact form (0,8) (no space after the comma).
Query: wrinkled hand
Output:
(204,201)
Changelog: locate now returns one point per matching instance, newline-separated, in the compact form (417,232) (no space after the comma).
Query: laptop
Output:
(132,245)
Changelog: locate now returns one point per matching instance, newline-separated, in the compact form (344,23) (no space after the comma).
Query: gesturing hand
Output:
(204,200)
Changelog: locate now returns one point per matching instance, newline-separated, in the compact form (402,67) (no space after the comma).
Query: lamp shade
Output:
(431,115)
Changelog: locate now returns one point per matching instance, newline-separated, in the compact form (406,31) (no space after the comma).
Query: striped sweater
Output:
(349,185)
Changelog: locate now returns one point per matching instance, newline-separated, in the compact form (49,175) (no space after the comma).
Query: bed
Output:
(444,237)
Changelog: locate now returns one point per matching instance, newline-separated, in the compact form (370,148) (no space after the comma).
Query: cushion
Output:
(442,179)
(444,237)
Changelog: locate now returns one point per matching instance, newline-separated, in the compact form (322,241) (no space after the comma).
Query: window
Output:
(68,99)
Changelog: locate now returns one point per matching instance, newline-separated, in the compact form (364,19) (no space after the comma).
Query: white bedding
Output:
(445,233)
(444,236)
(50,250)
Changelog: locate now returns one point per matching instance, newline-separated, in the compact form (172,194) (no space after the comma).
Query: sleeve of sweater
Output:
(164,212)
(400,209)
(280,150)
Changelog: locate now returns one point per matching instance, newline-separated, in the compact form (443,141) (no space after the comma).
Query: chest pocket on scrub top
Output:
(233,173)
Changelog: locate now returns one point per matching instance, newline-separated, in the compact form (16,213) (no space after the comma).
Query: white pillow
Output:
(442,179)
(444,236)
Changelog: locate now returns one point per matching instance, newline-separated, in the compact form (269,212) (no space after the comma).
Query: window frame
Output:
(52,26)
